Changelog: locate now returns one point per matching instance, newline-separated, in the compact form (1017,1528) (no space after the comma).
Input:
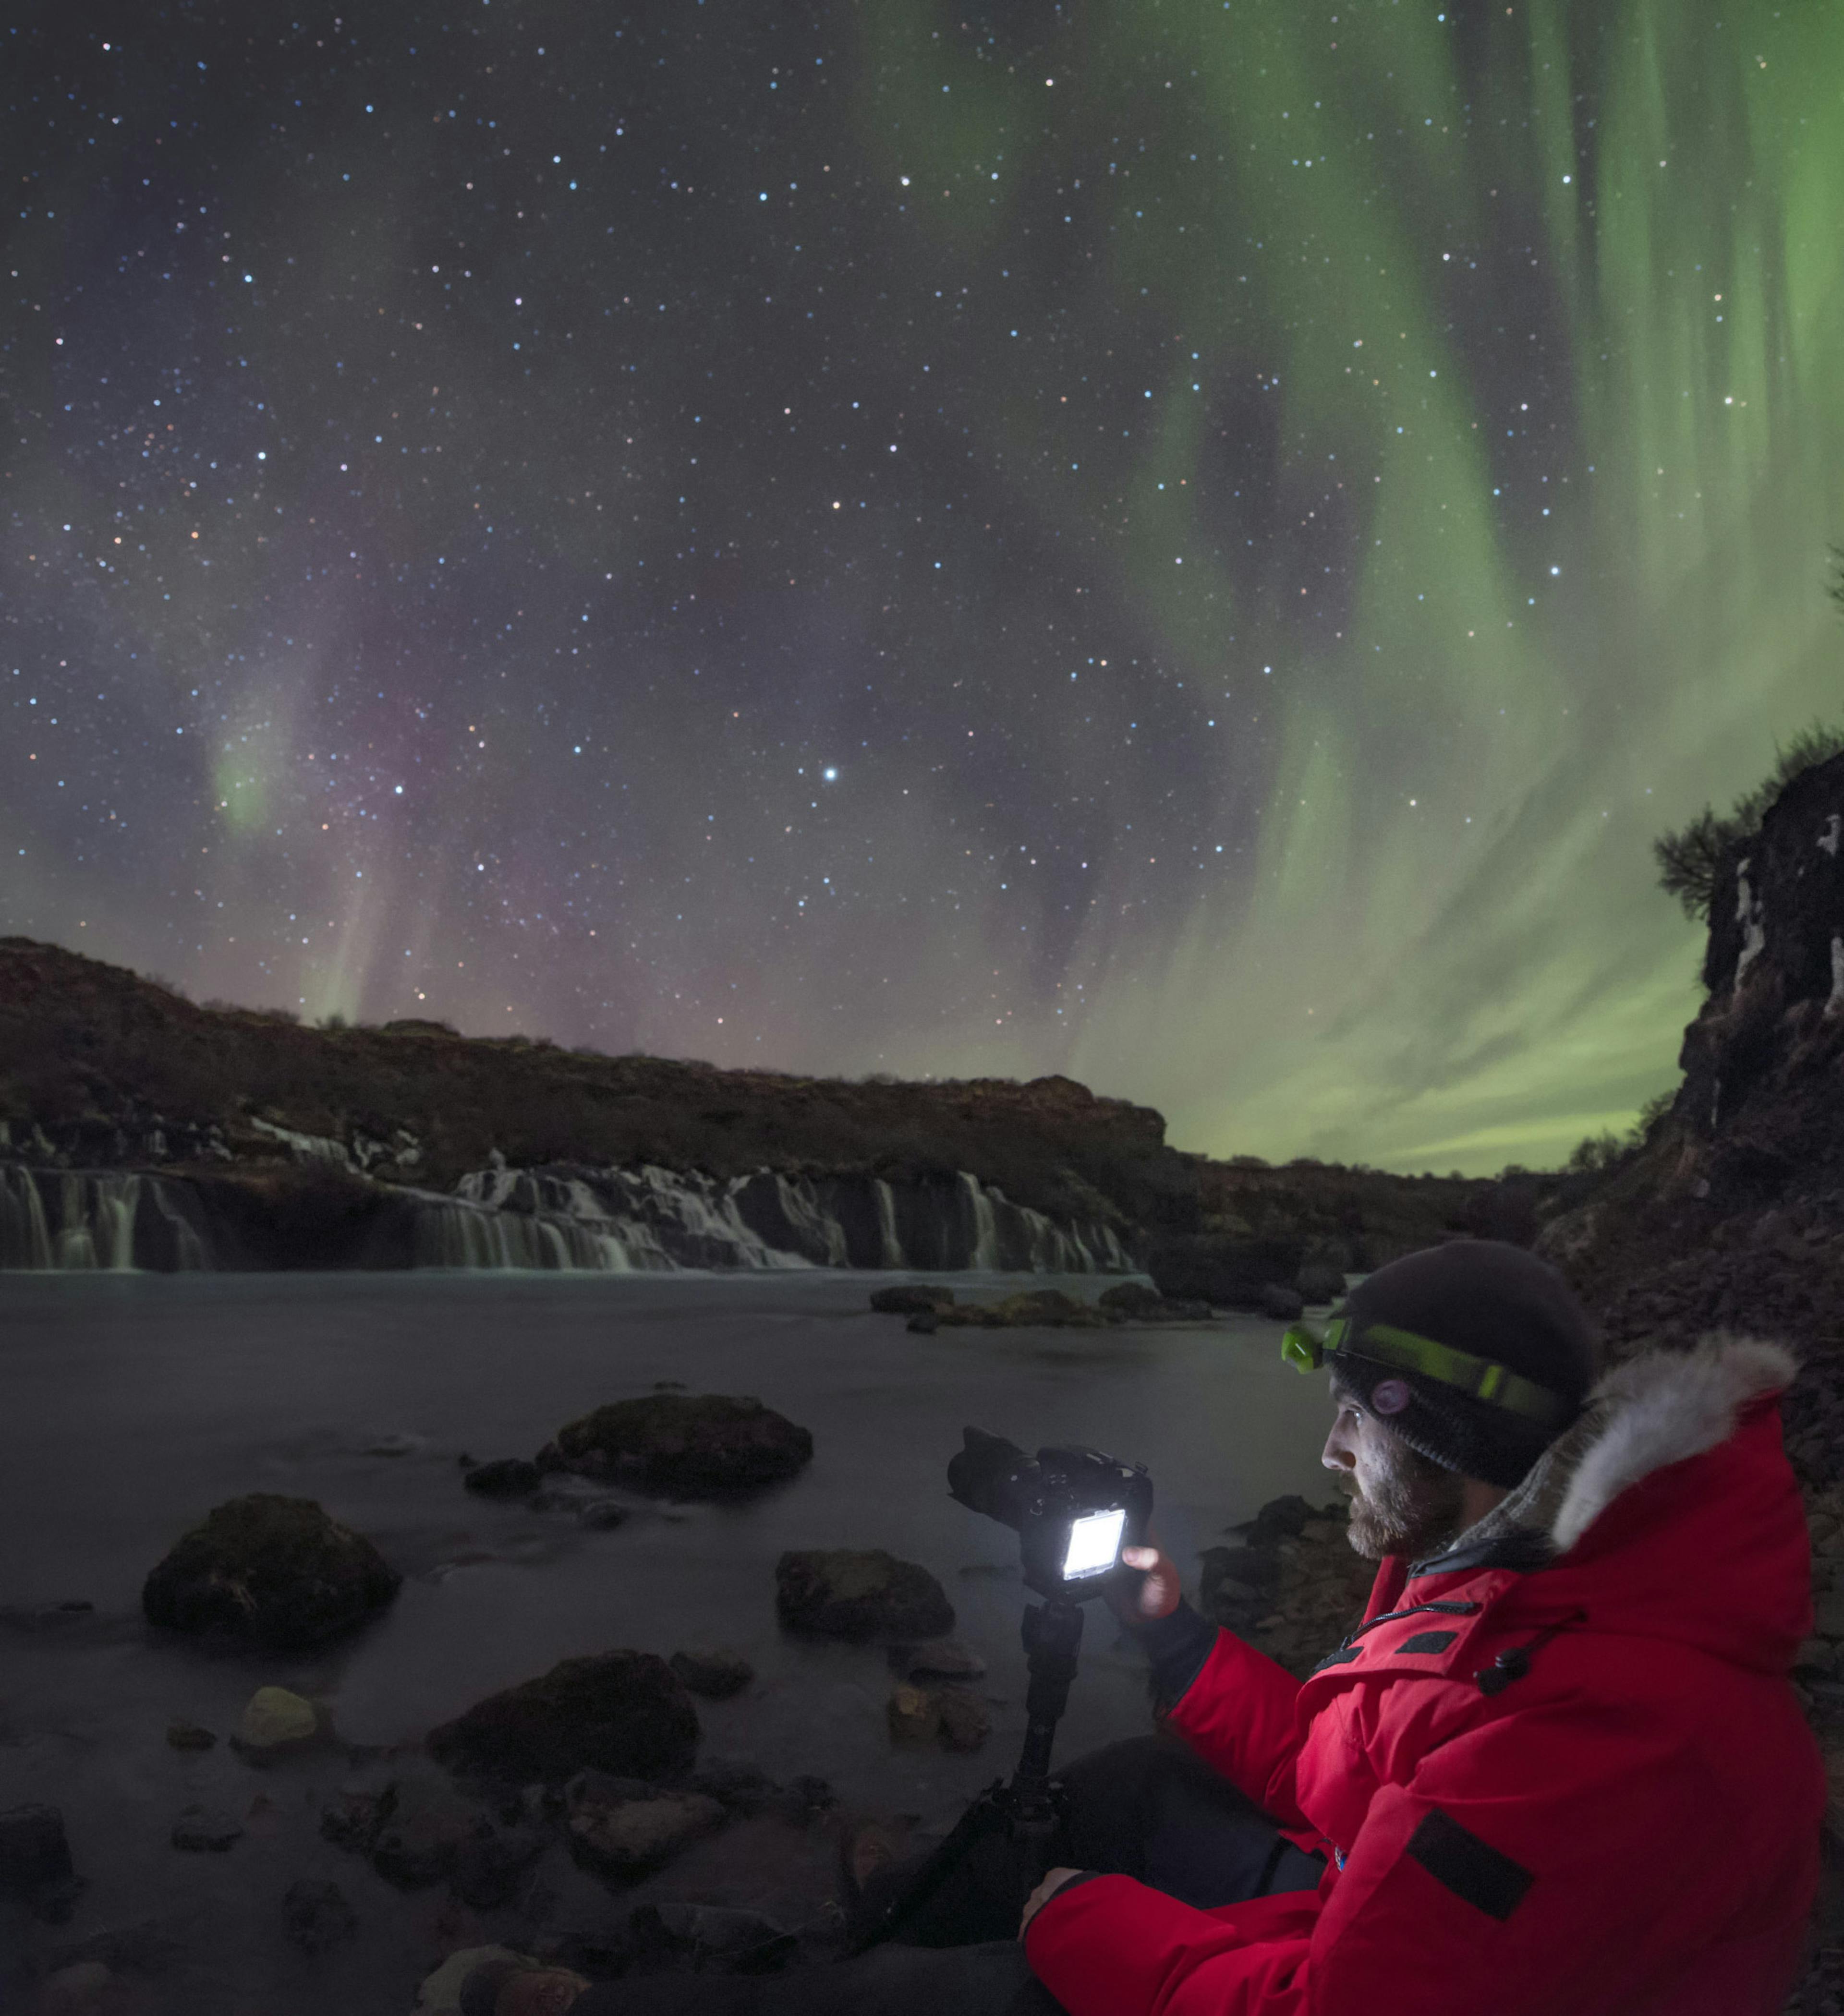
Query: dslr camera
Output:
(1073,1510)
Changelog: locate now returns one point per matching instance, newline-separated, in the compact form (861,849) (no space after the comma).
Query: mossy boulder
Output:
(278,1572)
(911,1299)
(623,1712)
(859,1593)
(689,1445)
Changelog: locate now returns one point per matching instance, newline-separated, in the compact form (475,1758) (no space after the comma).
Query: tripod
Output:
(1024,1813)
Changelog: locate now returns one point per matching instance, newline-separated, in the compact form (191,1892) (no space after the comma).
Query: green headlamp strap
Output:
(1479,1378)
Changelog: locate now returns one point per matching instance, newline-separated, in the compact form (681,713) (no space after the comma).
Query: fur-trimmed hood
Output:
(1668,1506)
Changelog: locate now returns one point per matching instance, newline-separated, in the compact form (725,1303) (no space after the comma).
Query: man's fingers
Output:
(1139,1557)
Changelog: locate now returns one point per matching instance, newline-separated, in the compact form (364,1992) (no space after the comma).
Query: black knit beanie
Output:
(1494,1301)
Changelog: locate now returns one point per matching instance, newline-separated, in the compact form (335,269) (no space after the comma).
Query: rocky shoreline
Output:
(499,1833)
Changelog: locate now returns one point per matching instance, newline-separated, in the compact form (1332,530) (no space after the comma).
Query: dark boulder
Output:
(316,1915)
(618,1830)
(278,1572)
(916,1300)
(1282,1304)
(625,1712)
(1319,1283)
(1131,1299)
(850,1592)
(713,1671)
(702,1445)
(34,1853)
(1226,1272)
(1237,1585)
(426,1824)
(1279,1519)
(510,1477)
(204,1830)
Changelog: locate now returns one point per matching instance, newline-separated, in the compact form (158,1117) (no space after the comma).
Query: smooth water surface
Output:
(131,1404)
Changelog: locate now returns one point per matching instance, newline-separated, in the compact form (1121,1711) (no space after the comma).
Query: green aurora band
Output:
(1453,953)
(1530,318)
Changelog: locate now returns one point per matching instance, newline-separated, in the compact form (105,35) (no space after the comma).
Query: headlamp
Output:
(1478,1378)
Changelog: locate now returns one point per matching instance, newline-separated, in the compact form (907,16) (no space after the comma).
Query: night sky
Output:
(1190,544)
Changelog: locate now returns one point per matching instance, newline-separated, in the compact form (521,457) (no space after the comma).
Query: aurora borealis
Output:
(1190,544)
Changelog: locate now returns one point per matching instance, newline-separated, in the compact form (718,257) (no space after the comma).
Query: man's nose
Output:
(1335,1456)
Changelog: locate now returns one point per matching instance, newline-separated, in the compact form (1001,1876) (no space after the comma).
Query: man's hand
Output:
(1042,1894)
(1158,1595)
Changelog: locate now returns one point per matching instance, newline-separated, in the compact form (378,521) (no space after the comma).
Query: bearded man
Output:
(1558,1766)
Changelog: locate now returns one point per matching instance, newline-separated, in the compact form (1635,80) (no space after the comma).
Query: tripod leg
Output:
(987,1817)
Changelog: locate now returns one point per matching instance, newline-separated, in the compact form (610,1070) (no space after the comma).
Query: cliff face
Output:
(1733,1215)
(100,1068)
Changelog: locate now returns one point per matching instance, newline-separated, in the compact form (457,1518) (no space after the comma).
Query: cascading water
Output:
(985,1222)
(68,1222)
(651,1218)
(889,1245)
(589,1221)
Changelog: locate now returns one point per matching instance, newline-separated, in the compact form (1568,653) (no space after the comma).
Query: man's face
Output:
(1401,1504)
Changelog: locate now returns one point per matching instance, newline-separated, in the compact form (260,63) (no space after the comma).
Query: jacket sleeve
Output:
(1240,1714)
(1538,1863)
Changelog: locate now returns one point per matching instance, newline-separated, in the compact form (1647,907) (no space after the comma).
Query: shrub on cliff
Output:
(1691,859)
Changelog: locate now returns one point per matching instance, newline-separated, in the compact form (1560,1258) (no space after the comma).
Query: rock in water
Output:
(316,1915)
(1283,1304)
(189,1736)
(440,1994)
(627,1837)
(427,1827)
(622,1711)
(918,1299)
(201,1831)
(1131,1299)
(966,1721)
(847,1592)
(952,1716)
(510,1476)
(713,1671)
(940,1659)
(274,1723)
(33,1852)
(276,1571)
(914,1715)
(702,1445)
(88,1988)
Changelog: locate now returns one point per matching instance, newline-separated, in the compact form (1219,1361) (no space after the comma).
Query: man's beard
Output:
(1413,1509)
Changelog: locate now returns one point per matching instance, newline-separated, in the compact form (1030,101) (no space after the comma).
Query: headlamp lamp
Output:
(1478,1378)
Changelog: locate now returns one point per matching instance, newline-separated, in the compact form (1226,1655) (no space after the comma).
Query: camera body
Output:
(1073,1510)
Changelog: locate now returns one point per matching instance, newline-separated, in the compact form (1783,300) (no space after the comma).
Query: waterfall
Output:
(986,1224)
(25,1239)
(575,1220)
(603,1221)
(72,1222)
(652,1219)
(889,1246)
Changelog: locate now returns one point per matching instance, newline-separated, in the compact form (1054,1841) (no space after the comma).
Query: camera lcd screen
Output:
(1094,1541)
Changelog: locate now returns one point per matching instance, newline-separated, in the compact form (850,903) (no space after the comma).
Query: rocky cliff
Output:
(137,1128)
(1733,1214)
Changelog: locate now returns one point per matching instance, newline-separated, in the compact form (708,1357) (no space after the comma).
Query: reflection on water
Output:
(129,1405)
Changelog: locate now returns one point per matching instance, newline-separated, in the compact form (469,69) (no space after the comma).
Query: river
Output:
(131,1404)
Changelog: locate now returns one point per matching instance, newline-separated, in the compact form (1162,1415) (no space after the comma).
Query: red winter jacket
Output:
(1558,1771)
